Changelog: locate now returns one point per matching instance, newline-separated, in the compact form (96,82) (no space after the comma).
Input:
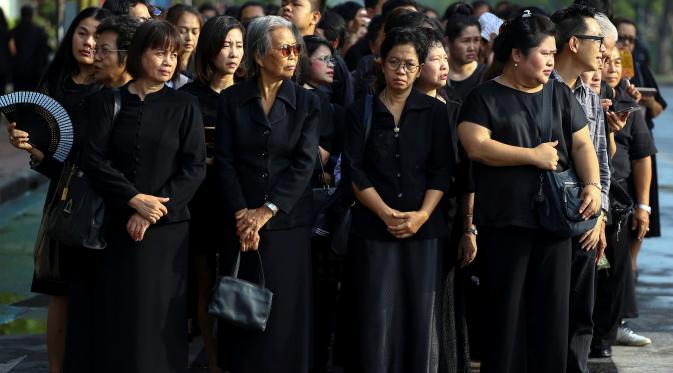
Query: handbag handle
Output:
(237,264)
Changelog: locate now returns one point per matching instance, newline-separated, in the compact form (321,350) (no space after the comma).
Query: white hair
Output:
(258,39)
(608,29)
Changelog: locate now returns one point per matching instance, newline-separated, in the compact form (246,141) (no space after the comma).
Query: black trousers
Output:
(525,282)
(582,278)
(611,284)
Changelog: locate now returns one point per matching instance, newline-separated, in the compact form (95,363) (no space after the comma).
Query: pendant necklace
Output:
(396,128)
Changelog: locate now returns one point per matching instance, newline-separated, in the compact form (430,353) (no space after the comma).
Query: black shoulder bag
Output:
(77,214)
(342,227)
(559,195)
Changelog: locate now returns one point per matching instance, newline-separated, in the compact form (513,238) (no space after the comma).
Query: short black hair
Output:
(151,35)
(125,28)
(570,21)
(601,6)
(478,3)
(208,6)
(371,4)
(458,23)
(391,5)
(211,41)
(333,27)
(375,25)
(523,33)
(432,37)
(619,20)
(26,13)
(347,10)
(316,6)
(121,7)
(459,7)
(249,4)
(410,20)
(312,43)
(401,36)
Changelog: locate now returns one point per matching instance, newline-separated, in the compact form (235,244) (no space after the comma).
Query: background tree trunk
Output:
(664,40)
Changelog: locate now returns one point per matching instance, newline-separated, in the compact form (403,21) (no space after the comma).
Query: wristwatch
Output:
(272,207)
(645,207)
(471,231)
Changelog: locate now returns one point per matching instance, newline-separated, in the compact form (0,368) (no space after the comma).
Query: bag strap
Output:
(117,105)
(547,101)
(369,98)
(237,264)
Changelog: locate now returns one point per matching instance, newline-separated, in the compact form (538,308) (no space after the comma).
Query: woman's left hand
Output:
(137,226)
(467,249)
(591,201)
(252,221)
(411,223)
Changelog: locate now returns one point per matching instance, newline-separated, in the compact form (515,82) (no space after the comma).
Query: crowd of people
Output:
(210,134)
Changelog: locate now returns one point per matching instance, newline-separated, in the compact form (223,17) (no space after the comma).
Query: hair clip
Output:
(526,14)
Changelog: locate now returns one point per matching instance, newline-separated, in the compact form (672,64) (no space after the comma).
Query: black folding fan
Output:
(46,121)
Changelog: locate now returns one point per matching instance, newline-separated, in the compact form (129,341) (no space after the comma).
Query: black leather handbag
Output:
(77,213)
(240,302)
(559,195)
(323,198)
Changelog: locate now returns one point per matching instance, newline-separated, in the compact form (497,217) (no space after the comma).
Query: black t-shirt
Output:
(633,142)
(459,89)
(504,195)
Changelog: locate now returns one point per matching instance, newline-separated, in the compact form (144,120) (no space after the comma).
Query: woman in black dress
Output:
(147,165)
(266,148)
(188,21)
(525,271)
(69,81)
(399,176)
(217,58)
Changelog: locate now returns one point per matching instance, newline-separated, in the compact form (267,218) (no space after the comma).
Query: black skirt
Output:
(128,304)
(397,305)
(284,347)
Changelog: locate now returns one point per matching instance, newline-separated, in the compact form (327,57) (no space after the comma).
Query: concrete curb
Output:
(18,183)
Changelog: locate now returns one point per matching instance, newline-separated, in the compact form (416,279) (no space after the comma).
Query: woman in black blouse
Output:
(525,272)
(69,81)
(146,165)
(188,22)
(399,175)
(266,148)
(217,58)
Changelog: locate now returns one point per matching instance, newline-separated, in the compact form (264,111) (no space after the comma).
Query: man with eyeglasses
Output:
(580,48)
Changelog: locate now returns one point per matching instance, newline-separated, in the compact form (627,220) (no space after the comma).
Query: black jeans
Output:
(582,277)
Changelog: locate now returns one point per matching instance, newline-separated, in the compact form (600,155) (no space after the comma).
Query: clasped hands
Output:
(248,224)
(149,209)
(403,224)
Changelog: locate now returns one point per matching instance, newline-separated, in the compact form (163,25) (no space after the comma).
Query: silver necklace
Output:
(396,127)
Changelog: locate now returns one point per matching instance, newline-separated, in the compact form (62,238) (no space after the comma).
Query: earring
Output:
(516,64)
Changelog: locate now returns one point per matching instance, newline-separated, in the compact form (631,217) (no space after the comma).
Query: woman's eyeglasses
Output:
(394,65)
(327,60)
(285,50)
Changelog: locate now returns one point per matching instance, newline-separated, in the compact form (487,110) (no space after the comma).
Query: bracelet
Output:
(472,231)
(597,185)
(469,215)
(645,207)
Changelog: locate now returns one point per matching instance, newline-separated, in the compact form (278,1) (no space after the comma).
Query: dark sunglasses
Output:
(591,37)
(285,50)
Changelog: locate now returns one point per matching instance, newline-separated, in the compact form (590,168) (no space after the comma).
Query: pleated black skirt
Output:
(285,346)
(128,304)
(397,288)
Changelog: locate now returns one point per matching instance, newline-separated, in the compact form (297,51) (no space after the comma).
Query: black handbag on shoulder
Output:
(240,302)
(77,213)
(559,196)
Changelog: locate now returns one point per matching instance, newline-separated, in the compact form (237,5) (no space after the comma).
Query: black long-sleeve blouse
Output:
(268,157)
(155,147)
(401,166)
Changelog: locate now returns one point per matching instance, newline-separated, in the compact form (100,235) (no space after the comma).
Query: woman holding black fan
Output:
(69,81)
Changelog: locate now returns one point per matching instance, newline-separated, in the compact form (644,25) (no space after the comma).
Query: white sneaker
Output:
(627,337)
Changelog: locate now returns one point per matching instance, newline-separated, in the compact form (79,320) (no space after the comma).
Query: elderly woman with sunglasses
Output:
(266,147)
(399,172)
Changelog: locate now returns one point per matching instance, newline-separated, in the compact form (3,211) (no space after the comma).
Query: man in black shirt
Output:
(29,49)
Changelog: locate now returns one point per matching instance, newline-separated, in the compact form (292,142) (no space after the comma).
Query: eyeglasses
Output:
(103,52)
(394,65)
(623,39)
(327,60)
(286,49)
(592,37)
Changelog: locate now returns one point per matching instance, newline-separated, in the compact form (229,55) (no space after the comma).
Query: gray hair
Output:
(258,39)
(608,29)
